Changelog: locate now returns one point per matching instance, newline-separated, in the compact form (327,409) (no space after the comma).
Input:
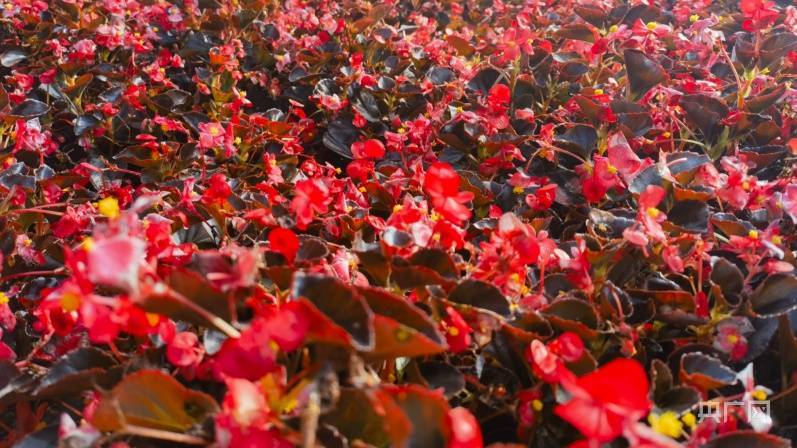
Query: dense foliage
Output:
(264,223)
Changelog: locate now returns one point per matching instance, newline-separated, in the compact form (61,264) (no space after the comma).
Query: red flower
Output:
(758,14)
(284,242)
(244,419)
(513,42)
(597,179)
(441,183)
(456,330)
(184,349)
(649,219)
(369,149)
(115,261)
(498,99)
(465,429)
(623,159)
(607,401)
(543,198)
(254,354)
(312,197)
(218,190)
(545,364)
(568,346)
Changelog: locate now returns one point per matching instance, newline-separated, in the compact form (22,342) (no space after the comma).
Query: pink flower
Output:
(731,336)
(312,197)
(211,135)
(83,50)
(116,261)
(623,158)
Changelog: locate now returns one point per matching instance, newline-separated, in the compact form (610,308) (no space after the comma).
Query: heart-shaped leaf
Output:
(341,304)
(75,372)
(776,295)
(479,294)
(643,72)
(29,108)
(705,372)
(152,399)
(402,329)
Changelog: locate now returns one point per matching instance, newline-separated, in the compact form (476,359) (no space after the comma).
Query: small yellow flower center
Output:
(214,131)
(694,18)
(597,91)
(435,216)
(536,405)
(733,339)
(109,207)
(153,319)
(362,189)
(759,395)
(3,298)
(753,234)
(653,212)
(776,239)
(453,331)
(746,185)
(613,29)
(666,424)
(611,169)
(518,190)
(87,243)
(689,419)
(397,208)
(652,25)
(70,302)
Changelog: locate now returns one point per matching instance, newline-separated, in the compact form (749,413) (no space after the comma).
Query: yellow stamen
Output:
(652,25)
(694,18)
(666,424)
(88,243)
(776,239)
(453,331)
(109,207)
(536,405)
(153,319)
(518,190)
(759,395)
(653,212)
(70,302)
(3,298)
(753,234)
(689,419)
